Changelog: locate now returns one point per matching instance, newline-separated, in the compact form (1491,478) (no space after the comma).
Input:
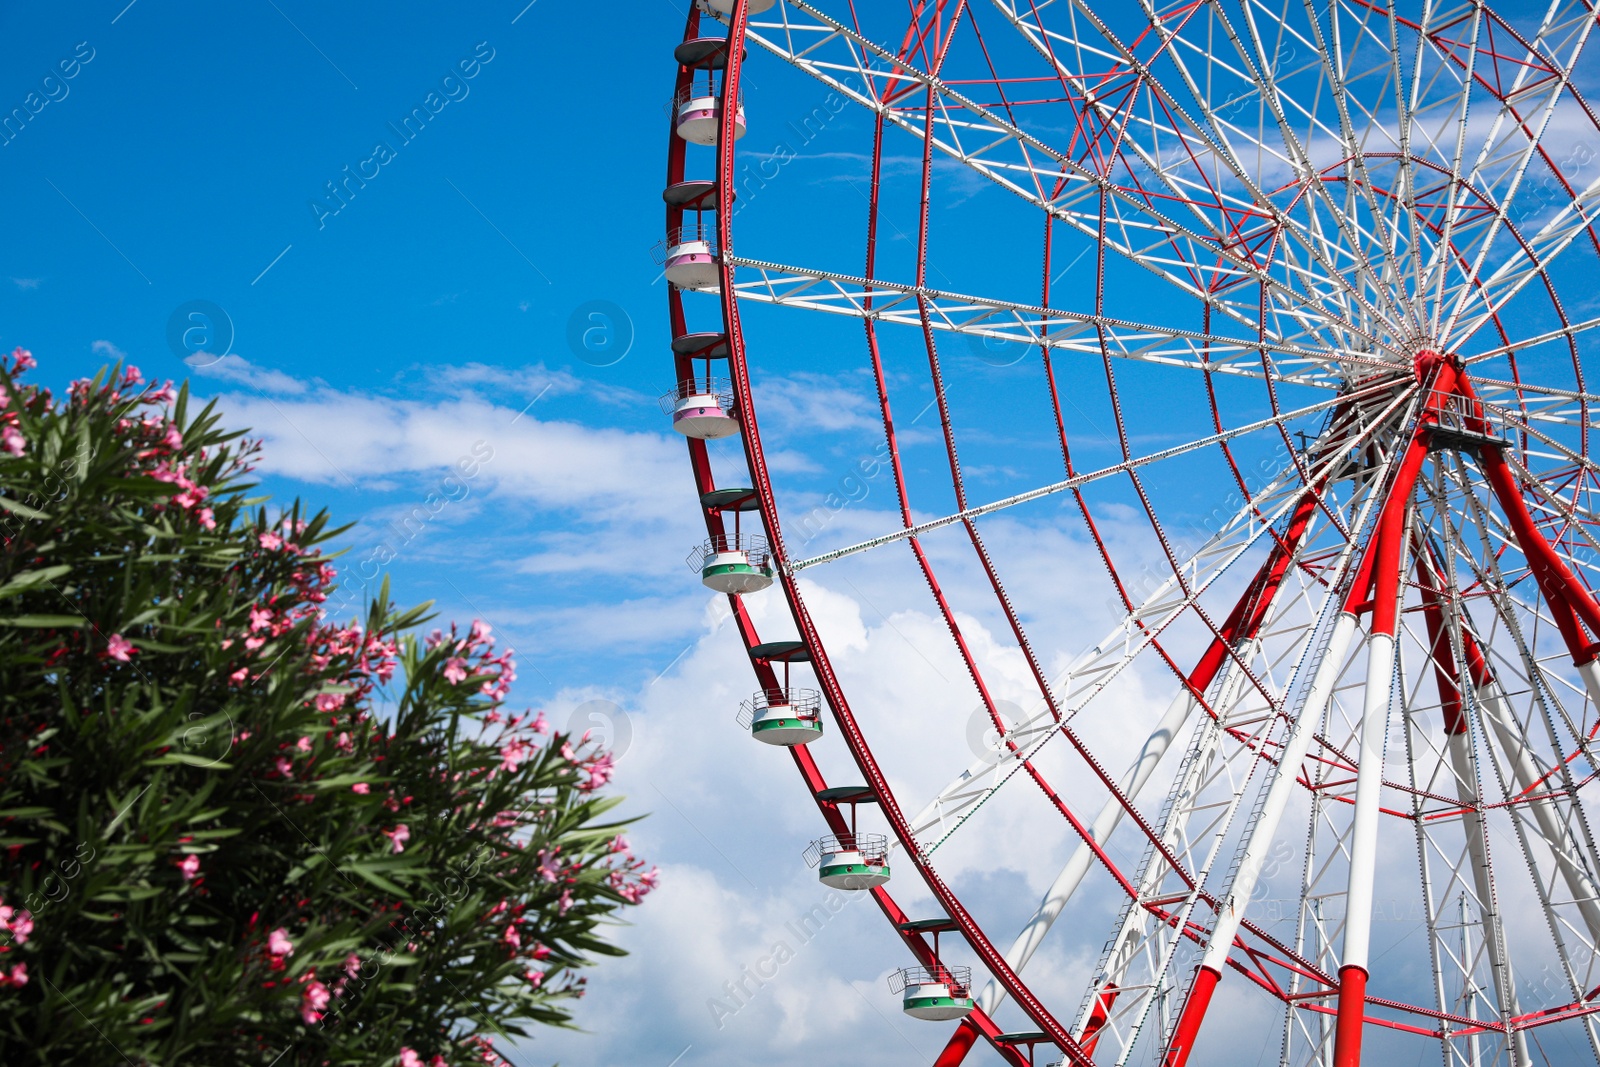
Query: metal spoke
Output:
(1079,480)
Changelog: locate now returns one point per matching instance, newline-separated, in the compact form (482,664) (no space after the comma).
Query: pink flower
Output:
(599,772)
(278,943)
(312,1001)
(409,1058)
(361,787)
(565,902)
(271,541)
(260,619)
(173,438)
(120,648)
(399,835)
(513,753)
(190,866)
(455,670)
(11,440)
(190,497)
(541,725)
(535,978)
(304,744)
(329,701)
(239,676)
(20,927)
(549,868)
(352,965)
(131,376)
(207,520)
(285,768)
(24,359)
(513,938)
(18,976)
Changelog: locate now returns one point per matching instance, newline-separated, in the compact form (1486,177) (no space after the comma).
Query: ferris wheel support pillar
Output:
(1364,852)
(1380,573)
(1570,603)
(1234,902)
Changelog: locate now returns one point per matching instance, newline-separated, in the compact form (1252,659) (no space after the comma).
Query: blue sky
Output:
(430,318)
(186,153)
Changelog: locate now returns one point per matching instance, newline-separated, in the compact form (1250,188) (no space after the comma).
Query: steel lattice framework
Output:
(1369,215)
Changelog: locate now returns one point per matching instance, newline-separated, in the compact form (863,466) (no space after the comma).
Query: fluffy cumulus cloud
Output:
(332,435)
(815,402)
(236,370)
(743,957)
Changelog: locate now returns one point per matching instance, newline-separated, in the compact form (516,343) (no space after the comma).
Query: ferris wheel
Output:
(1344,253)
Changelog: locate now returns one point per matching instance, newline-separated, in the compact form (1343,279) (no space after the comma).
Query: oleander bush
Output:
(237,831)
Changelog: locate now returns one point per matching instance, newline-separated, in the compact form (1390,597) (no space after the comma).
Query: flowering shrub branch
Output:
(293,840)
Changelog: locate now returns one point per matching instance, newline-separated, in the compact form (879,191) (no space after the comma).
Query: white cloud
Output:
(345,438)
(730,819)
(531,380)
(236,370)
(817,403)
(26,283)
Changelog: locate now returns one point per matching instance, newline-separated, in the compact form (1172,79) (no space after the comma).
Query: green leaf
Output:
(172,758)
(19,508)
(25,813)
(365,871)
(28,580)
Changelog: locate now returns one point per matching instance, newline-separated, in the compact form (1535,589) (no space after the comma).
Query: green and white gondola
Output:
(736,563)
(850,861)
(937,993)
(785,717)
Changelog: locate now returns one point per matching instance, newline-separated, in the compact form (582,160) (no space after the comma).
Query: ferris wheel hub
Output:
(1428,361)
